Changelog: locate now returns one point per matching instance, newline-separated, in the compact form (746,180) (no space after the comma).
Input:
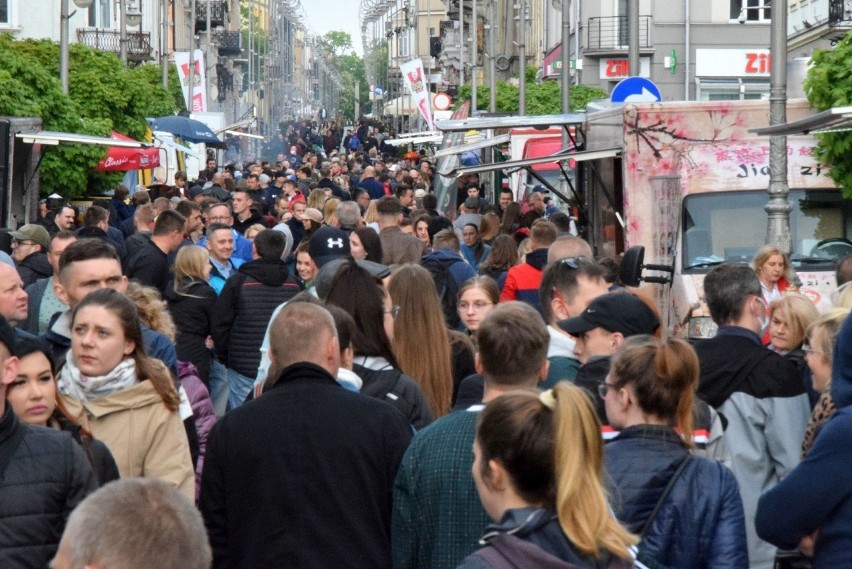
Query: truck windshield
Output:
(731,226)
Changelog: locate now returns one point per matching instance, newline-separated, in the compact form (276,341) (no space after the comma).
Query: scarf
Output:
(76,385)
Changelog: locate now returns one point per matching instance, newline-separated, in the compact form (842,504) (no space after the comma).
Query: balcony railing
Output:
(217,8)
(610,33)
(840,14)
(229,43)
(138,43)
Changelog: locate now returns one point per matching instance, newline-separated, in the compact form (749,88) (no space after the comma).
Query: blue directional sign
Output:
(635,90)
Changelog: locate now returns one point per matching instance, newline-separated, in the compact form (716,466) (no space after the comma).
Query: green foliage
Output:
(351,69)
(104,96)
(543,98)
(829,84)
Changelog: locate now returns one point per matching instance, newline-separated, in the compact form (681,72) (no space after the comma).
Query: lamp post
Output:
(164,41)
(778,207)
(522,57)
(64,32)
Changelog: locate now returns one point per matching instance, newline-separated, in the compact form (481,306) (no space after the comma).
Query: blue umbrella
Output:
(187,129)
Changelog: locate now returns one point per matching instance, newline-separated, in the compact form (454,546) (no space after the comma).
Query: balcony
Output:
(218,9)
(839,18)
(608,35)
(229,43)
(138,43)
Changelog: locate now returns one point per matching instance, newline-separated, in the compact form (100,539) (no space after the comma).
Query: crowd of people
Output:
(304,363)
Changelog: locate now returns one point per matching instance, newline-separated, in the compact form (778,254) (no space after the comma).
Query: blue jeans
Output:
(218,387)
(239,386)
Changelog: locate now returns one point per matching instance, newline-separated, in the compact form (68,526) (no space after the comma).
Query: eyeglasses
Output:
(477,305)
(809,350)
(604,388)
(394,311)
(22,242)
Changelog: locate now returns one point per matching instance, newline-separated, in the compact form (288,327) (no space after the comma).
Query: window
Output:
(99,14)
(5,12)
(719,226)
(751,10)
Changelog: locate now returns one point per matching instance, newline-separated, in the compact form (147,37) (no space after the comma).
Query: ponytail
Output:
(581,502)
(664,376)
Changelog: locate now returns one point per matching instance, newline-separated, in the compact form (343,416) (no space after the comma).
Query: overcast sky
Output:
(327,15)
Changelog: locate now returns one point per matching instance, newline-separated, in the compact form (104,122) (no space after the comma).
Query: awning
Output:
(239,124)
(481,123)
(121,159)
(238,133)
(178,147)
(487,143)
(518,164)
(54,138)
(836,119)
(433,138)
(403,106)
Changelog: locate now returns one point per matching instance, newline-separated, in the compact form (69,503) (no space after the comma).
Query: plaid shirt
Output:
(437,516)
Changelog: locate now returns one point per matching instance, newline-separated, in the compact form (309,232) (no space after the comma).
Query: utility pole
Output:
(208,50)
(522,57)
(566,65)
(63,44)
(461,42)
(122,32)
(191,74)
(633,37)
(474,53)
(778,208)
(164,41)
(492,71)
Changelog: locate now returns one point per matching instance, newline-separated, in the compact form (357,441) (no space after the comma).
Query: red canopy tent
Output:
(124,159)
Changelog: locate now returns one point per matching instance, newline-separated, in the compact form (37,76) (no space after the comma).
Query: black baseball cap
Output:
(327,244)
(614,312)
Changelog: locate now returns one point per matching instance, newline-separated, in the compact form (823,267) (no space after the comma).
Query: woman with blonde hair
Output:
(329,212)
(123,397)
(420,319)
(774,271)
(649,396)
(538,469)
(317,199)
(820,338)
(190,301)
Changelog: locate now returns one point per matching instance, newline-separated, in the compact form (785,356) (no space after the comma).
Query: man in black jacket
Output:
(44,474)
(324,457)
(244,307)
(149,265)
(29,250)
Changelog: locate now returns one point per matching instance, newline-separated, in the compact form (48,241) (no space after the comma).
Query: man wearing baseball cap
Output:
(29,250)
(600,331)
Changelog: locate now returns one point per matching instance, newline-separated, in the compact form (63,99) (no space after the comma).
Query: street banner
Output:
(412,71)
(199,94)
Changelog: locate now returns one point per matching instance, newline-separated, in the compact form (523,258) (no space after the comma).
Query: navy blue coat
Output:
(817,494)
(701,525)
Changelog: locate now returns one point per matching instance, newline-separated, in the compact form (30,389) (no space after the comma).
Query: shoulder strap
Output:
(7,449)
(664,496)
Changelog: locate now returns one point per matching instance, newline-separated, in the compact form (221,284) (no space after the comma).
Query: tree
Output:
(829,84)
(338,43)
(351,69)
(103,96)
(543,98)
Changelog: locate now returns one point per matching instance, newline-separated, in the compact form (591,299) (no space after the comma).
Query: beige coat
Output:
(145,438)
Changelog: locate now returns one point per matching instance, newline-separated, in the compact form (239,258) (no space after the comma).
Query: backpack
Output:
(445,284)
(354,142)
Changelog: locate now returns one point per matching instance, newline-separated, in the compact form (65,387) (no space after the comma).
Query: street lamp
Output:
(133,16)
(778,208)
(63,38)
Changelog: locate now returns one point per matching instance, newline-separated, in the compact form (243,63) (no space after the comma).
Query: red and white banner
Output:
(120,159)
(199,94)
(415,80)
